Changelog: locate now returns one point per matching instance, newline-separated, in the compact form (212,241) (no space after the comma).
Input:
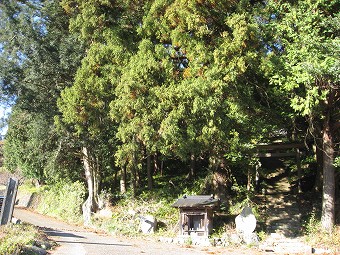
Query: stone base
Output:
(225,241)
(246,238)
(188,240)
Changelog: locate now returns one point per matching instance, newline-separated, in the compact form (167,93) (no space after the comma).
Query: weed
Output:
(262,235)
(14,237)
(188,242)
(317,237)
(312,225)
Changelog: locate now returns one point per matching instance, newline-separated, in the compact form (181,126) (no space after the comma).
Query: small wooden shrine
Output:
(196,214)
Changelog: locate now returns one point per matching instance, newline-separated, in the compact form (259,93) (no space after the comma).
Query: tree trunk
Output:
(328,195)
(149,172)
(192,166)
(157,168)
(221,177)
(123,180)
(249,179)
(319,167)
(133,172)
(299,170)
(92,180)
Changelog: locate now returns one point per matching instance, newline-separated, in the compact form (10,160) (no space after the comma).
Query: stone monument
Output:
(245,226)
(148,224)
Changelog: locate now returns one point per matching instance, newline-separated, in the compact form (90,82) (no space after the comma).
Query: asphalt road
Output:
(74,240)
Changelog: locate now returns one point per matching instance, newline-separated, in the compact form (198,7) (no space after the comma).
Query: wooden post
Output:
(123,180)
(249,180)
(9,201)
(149,173)
(298,164)
(181,222)
(206,223)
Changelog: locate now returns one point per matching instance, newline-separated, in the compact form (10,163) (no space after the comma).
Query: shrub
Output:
(63,200)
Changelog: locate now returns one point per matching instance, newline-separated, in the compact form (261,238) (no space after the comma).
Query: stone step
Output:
(284,218)
(284,223)
(291,211)
(287,248)
(278,243)
(283,227)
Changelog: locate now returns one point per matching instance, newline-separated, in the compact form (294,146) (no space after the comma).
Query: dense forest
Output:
(116,92)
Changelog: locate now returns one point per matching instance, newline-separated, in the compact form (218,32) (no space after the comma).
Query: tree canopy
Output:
(107,86)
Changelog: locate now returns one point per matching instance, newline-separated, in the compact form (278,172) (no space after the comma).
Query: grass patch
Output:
(320,238)
(317,237)
(14,238)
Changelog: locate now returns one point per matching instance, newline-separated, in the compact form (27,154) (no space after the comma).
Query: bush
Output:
(63,200)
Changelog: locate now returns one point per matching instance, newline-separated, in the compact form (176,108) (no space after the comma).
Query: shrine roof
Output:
(196,201)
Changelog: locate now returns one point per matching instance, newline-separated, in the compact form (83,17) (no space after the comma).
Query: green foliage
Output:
(180,89)
(27,187)
(136,107)
(337,162)
(306,34)
(188,81)
(13,238)
(312,224)
(127,211)
(30,144)
(63,200)
(262,235)
(39,57)
(238,206)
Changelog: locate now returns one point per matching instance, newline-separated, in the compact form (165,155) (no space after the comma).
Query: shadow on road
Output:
(91,243)
(64,234)
(53,232)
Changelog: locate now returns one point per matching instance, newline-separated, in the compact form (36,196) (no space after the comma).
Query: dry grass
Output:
(321,239)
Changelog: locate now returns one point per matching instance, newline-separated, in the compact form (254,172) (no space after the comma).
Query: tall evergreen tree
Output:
(108,29)
(40,58)
(304,55)
(216,51)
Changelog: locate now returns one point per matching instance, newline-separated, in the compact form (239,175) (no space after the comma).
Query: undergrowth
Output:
(13,238)
(317,237)
(62,200)
(128,211)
